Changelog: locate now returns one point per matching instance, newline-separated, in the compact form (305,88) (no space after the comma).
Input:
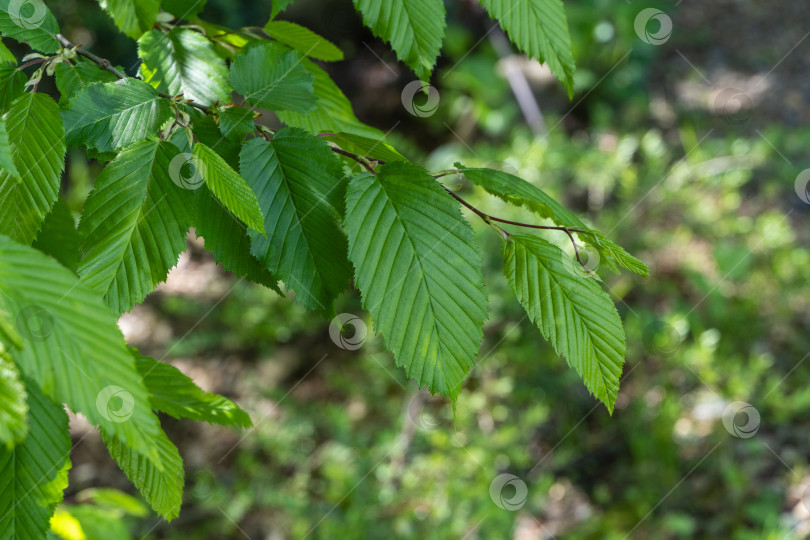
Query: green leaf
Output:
(620,256)
(6,158)
(58,236)
(29,22)
(227,186)
(519,192)
(538,28)
(571,311)
(13,405)
(73,348)
(113,115)
(374,149)
(87,522)
(133,17)
(134,224)
(303,40)
(34,474)
(183,9)
(176,394)
(299,183)
(272,77)
(161,485)
(38,142)
(12,85)
(279,6)
(71,78)
(183,61)
(226,238)
(415,29)
(6,55)
(333,111)
(114,500)
(419,272)
(236,122)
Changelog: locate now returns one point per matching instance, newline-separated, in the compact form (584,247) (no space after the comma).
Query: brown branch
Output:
(106,65)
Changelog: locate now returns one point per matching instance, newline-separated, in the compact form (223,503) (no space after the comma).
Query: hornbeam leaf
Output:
(12,85)
(571,310)
(538,28)
(113,115)
(236,122)
(6,55)
(227,186)
(38,152)
(160,482)
(183,61)
(6,158)
(13,405)
(226,238)
(303,40)
(133,17)
(34,474)
(300,187)
(134,224)
(419,272)
(333,110)
(59,237)
(29,22)
(273,77)
(71,78)
(415,29)
(176,394)
(72,347)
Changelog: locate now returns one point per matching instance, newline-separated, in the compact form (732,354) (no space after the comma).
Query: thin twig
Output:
(362,160)
(105,64)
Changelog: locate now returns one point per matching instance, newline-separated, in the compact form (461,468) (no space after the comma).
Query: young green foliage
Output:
(182,61)
(571,310)
(540,29)
(35,131)
(415,29)
(109,116)
(272,77)
(300,186)
(34,474)
(419,271)
(270,205)
(134,224)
